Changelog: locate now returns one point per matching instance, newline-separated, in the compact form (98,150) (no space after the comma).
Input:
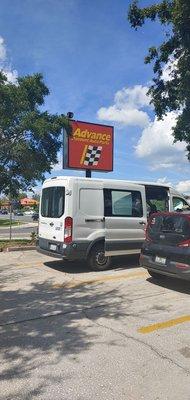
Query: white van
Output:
(94,219)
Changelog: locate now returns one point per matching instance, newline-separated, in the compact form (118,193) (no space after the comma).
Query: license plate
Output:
(160,260)
(53,247)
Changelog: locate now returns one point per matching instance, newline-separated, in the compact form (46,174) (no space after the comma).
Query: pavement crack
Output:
(137,340)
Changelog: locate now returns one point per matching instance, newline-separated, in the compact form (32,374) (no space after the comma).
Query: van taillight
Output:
(68,230)
(186,243)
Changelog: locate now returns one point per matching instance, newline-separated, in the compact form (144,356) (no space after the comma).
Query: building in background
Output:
(28,202)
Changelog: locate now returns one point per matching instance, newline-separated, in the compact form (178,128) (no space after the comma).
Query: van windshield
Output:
(53,202)
(169,229)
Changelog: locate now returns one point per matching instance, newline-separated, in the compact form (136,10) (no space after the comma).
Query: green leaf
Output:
(29,137)
(173,95)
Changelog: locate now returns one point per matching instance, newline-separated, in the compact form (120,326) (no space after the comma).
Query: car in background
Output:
(35,216)
(18,213)
(29,212)
(166,250)
(4,212)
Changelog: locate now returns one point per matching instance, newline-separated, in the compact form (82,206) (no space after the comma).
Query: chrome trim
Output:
(122,252)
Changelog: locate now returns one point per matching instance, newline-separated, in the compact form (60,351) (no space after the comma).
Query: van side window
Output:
(180,204)
(91,201)
(123,203)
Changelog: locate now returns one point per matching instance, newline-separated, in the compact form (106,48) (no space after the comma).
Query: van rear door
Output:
(52,213)
(125,219)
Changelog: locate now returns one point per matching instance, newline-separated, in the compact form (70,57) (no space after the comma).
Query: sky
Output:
(93,63)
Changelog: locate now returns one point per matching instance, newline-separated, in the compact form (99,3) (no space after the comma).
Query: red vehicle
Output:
(166,250)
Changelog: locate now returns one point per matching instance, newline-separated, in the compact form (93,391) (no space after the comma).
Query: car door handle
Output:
(94,219)
(51,223)
(142,223)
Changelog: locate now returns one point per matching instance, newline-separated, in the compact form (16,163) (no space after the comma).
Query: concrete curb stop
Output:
(21,248)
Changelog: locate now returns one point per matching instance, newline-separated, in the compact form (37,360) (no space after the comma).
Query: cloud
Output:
(12,76)
(127,107)
(5,67)
(59,165)
(169,69)
(123,116)
(183,187)
(2,49)
(164,181)
(156,144)
(134,97)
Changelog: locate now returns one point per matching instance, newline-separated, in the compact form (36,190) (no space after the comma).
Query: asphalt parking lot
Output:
(68,333)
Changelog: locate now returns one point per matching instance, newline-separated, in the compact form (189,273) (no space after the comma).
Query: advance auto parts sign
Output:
(90,146)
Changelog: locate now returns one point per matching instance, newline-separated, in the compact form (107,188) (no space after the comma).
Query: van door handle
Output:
(51,223)
(94,220)
(142,223)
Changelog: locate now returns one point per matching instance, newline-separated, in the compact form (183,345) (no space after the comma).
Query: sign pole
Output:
(88,173)
(10,220)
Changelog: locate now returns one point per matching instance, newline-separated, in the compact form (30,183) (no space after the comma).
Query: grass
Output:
(6,222)
(16,243)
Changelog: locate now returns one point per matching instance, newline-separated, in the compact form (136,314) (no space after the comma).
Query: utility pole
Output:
(10,217)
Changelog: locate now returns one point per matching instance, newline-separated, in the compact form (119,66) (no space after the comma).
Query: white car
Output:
(30,212)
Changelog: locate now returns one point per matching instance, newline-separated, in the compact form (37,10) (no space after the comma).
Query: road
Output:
(21,218)
(71,334)
(19,232)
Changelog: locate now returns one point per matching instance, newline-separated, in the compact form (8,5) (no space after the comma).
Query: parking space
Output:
(68,333)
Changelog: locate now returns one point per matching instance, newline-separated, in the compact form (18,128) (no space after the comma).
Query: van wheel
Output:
(155,275)
(97,261)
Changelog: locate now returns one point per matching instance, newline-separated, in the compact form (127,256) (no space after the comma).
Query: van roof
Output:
(78,178)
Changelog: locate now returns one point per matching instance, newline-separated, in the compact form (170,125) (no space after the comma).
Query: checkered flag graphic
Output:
(92,156)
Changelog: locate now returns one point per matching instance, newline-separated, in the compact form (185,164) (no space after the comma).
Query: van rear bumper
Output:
(73,251)
(48,253)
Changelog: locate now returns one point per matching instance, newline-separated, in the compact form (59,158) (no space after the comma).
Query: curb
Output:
(21,248)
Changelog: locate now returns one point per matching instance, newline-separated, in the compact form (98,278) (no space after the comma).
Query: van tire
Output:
(155,275)
(97,261)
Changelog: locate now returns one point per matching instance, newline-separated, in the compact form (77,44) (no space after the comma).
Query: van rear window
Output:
(53,202)
(170,229)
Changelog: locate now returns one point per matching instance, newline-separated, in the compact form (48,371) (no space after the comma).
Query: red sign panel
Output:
(90,147)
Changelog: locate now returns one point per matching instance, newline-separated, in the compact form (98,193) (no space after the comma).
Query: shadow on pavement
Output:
(40,326)
(178,285)
(76,267)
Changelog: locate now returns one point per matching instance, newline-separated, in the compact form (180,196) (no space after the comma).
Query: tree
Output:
(172,94)
(29,137)
(36,197)
(3,199)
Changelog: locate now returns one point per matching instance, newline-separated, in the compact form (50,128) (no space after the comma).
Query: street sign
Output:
(90,147)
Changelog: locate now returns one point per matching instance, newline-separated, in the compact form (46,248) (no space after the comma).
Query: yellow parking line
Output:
(163,325)
(75,284)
